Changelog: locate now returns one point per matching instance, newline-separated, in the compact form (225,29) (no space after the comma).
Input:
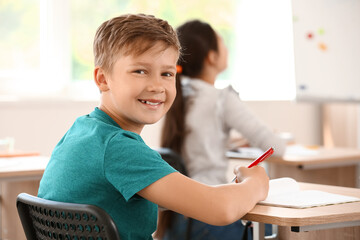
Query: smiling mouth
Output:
(150,103)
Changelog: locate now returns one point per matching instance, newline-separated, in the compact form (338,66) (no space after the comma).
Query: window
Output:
(19,45)
(264,51)
(48,43)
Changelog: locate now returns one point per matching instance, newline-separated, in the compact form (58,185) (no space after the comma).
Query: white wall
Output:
(304,120)
(37,125)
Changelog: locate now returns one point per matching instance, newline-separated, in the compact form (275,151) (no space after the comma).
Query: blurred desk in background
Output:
(312,164)
(17,174)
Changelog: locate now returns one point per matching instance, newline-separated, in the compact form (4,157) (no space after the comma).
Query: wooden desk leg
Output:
(259,231)
(11,228)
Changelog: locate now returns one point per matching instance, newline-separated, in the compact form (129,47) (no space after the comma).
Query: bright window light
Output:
(47,44)
(264,51)
(19,45)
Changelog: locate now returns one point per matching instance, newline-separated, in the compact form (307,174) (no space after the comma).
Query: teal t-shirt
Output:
(98,163)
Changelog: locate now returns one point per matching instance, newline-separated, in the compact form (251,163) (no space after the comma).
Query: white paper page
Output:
(285,192)
(308,198)
(245,152)
(280,186)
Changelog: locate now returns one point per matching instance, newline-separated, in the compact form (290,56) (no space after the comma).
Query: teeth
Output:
(150,103)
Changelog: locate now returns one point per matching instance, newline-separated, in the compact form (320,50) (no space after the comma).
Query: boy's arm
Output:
(216,205)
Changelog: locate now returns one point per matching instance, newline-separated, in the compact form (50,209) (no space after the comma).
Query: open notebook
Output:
(285,192)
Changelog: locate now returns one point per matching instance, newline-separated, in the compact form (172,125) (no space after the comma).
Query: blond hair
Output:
(130,34)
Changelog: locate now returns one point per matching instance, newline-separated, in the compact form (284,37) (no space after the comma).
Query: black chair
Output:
(44,220)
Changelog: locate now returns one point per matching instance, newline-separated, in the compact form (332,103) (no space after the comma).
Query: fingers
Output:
(255,176)
(242,172)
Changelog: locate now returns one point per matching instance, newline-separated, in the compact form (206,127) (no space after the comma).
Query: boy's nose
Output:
(155,85)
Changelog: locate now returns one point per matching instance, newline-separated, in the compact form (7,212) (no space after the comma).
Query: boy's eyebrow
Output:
(140,63)
(145,64)
(172,67)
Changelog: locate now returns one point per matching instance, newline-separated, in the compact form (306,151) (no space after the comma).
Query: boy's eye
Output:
(139,71)
(167,74)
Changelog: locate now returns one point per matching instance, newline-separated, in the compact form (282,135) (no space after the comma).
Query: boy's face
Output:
(140,89)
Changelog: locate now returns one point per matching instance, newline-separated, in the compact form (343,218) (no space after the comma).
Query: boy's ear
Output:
(101,79)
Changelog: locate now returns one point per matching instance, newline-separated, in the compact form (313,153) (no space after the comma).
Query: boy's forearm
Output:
(240,198)
(216,205)
(230,202)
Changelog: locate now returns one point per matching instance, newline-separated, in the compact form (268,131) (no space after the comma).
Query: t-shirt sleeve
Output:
(130,165)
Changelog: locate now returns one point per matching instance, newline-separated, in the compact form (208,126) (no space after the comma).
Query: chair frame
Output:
(45,219)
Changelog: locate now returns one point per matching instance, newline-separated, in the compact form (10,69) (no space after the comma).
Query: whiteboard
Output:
(327,49)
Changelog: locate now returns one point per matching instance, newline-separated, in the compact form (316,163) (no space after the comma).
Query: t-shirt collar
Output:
(98,113)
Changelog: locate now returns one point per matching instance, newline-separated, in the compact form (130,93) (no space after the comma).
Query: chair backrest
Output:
(173,159)
(45,219)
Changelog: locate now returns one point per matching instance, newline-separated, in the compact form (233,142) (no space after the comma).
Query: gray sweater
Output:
(211,114)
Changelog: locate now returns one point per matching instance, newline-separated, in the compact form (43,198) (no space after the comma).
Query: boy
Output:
(102,159)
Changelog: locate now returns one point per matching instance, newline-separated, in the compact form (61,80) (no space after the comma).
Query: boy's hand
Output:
(257,176)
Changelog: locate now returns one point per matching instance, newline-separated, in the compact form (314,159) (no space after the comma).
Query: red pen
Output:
(264,156)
